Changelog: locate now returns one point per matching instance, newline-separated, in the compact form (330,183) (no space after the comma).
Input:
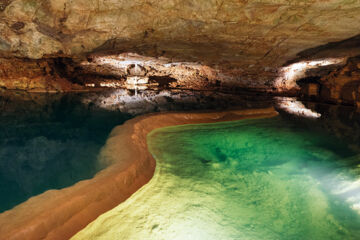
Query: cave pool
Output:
(247,179)
(49,147)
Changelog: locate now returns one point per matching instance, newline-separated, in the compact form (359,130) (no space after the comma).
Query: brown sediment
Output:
(59,214)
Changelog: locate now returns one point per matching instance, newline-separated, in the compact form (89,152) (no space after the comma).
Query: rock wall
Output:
(246,40)
(343,84)
(43,75)
(339,84)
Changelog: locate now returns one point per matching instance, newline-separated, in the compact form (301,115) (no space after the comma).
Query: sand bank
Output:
(59,214)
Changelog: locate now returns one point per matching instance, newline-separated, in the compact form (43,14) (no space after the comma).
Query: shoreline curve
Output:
(60,214)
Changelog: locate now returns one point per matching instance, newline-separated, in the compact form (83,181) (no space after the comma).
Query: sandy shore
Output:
(59,214)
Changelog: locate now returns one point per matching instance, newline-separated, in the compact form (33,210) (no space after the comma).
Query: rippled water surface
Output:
(248,179)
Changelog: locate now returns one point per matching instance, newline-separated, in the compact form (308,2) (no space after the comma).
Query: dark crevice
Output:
(307,80)
(163,81)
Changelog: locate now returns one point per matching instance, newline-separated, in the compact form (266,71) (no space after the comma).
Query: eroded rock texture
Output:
(244,41)
(335,83)
(343,84)
(34,75)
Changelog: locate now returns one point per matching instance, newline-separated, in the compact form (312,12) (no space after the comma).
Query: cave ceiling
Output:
(253,37)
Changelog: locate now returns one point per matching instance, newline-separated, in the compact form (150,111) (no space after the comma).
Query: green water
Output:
(52,141)
(248,179)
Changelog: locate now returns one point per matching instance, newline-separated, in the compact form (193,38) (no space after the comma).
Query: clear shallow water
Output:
(51,141)
(249,179)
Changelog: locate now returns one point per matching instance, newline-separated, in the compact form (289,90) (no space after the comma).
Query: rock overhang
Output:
(247,40)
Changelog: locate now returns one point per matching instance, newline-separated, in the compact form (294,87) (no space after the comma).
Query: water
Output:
(49,142)
(248,179)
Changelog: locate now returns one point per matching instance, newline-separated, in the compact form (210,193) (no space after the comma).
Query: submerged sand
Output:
(59,214)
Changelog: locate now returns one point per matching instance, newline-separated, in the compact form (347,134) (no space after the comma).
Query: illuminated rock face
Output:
(343,84)
(329,79)
(247,41)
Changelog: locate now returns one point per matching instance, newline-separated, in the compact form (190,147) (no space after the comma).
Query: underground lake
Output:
(268,178)
(255,173)
(49,142)
(179,120)
(52,141)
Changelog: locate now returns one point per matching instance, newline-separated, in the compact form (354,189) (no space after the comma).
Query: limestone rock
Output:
(33,75)
(254,36)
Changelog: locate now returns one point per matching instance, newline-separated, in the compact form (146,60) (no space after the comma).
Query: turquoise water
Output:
(249,179)
(51,141)
(263,179)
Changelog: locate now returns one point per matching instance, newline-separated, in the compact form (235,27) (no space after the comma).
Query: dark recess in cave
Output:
(310,87)
(313,79)
(163,81)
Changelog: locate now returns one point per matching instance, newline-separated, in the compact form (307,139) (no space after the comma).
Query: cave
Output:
(193,119)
